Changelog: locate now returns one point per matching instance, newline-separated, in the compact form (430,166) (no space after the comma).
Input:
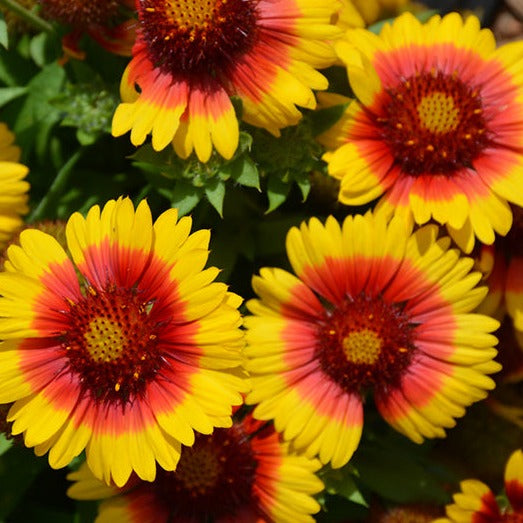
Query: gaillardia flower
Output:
(13,187)
(123,349)
(244,473)
(435,129)
(102,20)
(373,308)
(190,57)
(476,503)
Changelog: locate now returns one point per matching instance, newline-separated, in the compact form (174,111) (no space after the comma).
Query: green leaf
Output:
(398,472)
(34,115)
(245,172)
(5,444)
(185,197)
(10,93)
(341,482)
(43,49)
(304,183)
(215,192)
(18,469)
(277,191)
(4,38)
(324,119)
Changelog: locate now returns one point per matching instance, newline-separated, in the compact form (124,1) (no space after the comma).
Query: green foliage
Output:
(87,107)
(185,183)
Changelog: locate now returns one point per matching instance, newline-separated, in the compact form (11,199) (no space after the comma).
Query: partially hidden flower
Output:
(434,130)
(103,20)
(502,266)
(241,474)
(372,308)
(190,58)
(476,503)
(122,346)
(13,187)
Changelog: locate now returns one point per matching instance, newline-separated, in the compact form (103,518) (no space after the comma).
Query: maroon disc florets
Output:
(365,342)
(111,344)
(213,479)
(197,36)
(433,123)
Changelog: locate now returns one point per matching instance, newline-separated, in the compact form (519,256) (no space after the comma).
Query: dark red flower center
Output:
(80,14)
(433,123)
(197,36)
(365,342)
(213,478)
(111,343)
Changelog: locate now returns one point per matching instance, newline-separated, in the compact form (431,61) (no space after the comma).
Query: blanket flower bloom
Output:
(244,473)
(191,56)
(14,188)
(123,349)
(373,308)
(100,19)
(477,503)
(434,131)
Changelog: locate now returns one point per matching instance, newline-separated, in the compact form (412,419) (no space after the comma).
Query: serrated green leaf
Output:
(215,192)
(184,196)
(245,172)
(277,191)
(4,37)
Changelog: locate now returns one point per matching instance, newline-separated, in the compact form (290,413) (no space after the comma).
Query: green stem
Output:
(56,189)
(30,17)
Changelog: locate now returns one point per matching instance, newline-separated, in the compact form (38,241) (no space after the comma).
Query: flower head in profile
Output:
(243,473)
(434,131)
(191,56)
(105,21)
(123,347)
(372,308)
(477,503)
(13,187)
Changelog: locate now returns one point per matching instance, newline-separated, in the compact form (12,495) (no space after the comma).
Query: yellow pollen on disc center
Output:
(104,340)
(363,346)
(190,14)
(198,469)
(437,113)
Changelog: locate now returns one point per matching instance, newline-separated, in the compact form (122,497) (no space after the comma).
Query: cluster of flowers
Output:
(120,343)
